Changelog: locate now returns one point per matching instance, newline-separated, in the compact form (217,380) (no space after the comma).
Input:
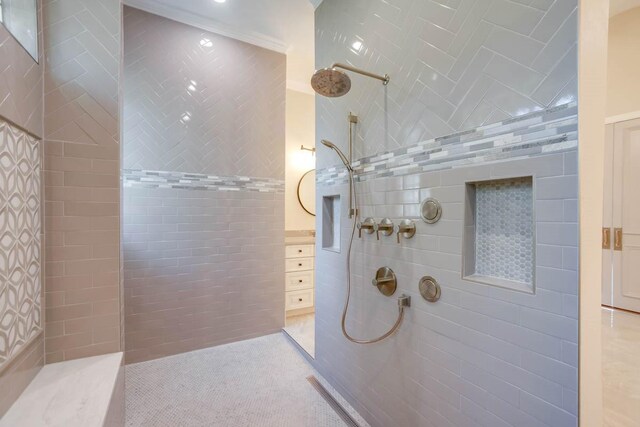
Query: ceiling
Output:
(619,6)
(285,26)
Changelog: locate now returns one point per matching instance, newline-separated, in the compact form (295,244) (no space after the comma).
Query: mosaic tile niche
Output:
(499,233)
(20,225)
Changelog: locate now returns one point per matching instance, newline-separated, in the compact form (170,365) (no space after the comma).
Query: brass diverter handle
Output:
(406,229)
(368,225)
(386,226)
(385,281)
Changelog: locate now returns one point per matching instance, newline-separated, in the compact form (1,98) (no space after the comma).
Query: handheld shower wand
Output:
(403,301)
(339,153)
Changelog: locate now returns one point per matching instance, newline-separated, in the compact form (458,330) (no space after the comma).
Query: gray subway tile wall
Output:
(481,344)
(202,268)
(480,90)
(82,184)
(203,205)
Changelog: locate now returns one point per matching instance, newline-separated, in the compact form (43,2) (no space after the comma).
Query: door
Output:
(625,235)
(607,217)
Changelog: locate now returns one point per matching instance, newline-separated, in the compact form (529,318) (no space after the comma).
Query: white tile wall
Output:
(481,356)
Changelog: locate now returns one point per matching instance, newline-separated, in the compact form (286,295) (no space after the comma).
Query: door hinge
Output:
(606,238)
(617,239)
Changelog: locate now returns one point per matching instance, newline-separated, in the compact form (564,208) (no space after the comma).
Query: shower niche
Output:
(331,223)
(499,233)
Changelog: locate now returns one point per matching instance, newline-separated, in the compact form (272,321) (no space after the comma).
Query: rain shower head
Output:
(333,83)
(338,152)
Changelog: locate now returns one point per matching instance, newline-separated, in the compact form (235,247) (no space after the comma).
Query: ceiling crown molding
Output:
(315,3)
(207,24)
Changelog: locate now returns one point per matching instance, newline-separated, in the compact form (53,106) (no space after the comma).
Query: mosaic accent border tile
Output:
(20,241)
(547,131)
(133,178)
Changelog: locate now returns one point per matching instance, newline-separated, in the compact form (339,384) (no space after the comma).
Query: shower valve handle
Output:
(368,225)
(386,226)
(407,228)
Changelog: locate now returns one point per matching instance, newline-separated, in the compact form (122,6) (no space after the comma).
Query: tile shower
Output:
(479,114)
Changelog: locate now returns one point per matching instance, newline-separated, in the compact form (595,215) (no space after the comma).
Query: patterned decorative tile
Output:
(195,181)
(20,226)
(551,130)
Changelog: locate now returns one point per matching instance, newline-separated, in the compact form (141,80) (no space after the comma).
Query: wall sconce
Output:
(313,150)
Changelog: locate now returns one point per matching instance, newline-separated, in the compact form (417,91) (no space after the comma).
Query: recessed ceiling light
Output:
(219,1)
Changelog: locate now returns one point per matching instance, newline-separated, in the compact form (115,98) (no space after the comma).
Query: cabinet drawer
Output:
(299,264)
(299,299)
(299,251)
(298,281)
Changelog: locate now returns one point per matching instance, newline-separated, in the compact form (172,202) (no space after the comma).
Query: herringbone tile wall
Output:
(199,102)
(203,262)
(454,65)
(82,187)
(21,83)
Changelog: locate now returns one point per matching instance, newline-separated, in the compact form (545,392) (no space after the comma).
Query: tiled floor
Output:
(621,368)
(303,330)
(258,382)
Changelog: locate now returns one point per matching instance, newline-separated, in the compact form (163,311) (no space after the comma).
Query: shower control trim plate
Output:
(431,210)
(406,229)
(368,225)
(430,289)
(385,281)
(386,227)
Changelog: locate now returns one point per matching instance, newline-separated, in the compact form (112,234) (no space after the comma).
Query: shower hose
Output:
(395,327)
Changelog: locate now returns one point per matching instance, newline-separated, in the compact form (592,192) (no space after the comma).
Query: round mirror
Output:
(307,192)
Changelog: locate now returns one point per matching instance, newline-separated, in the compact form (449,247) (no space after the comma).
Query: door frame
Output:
(614,170)
(593,36)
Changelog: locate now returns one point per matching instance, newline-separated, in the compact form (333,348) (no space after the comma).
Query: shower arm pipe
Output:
(385,79)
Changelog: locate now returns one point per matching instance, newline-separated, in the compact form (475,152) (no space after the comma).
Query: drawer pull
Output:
(299,251)
(299,299)
(299,264)
(300,281)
